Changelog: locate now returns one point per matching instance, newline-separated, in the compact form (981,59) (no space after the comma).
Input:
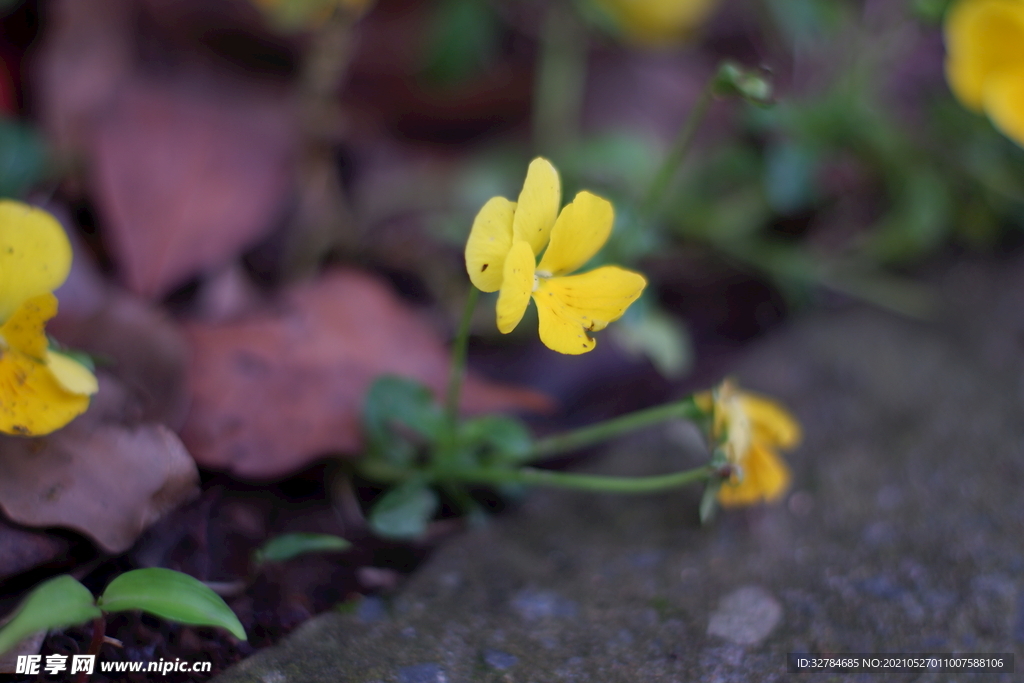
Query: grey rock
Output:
(902,533)
(421,673)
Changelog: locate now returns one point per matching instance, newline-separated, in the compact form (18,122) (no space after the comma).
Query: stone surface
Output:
(902,531)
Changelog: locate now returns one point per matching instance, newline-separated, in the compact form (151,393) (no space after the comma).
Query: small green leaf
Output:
(287,546)
(403,512)
(503,438)
(171,595)
(709,501)
(59,602)
(651,332)
(394,405)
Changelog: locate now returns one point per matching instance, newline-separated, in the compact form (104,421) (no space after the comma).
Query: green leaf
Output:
(59,602)
(403,512)
(651,332)
(503,439)
(171,595)
(397,411)
(287,546)
(22,157)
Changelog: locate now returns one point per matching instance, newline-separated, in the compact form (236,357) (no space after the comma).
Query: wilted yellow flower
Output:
(750,428)
(41,390)
(501,256)
(657,22)
(985,60)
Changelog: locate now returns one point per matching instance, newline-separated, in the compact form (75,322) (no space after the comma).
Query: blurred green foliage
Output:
(23,157)
(848,183)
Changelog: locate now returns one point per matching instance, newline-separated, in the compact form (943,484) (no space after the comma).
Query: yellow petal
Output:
(580,231)
(24,331)
(1004,102)
(657,22)
(516,286)
(538,204)
(569,307)
(72,376)
(983,37)
(32,401)
(772,424)
(35,255)
(488,244)
(765,478)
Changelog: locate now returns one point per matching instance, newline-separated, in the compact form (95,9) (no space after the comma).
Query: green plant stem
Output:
(458,369)
(584,482)
(680,148)
(561,75)
(586,436)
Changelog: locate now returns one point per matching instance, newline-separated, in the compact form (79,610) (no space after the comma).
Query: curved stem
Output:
(680,147)
(458,369)
(99,627)
(585,436)
(586,482)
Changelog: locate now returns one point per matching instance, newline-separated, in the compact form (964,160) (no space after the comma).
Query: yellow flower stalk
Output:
(657,23)
(41,390)
(985,60)
(750,428)
(501,256)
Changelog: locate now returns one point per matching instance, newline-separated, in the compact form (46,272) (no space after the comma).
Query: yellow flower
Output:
(657,22)
(750,428)
(985,60)
(40,390)
(503,247)
(292,15)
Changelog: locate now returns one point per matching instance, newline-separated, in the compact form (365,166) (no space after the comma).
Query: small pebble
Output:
(532,605)
(496,659)
(746,616)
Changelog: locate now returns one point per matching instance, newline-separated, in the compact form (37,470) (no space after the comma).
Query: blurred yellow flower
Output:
(750,428)
(41,390)
(502,250)
(657,22)
(292,15)
(985,60)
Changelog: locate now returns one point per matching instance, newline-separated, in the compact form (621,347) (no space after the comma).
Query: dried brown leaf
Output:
(273,392)
(136,342)
(97,476)
(186,181)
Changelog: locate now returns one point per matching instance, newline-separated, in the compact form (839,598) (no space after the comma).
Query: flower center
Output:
(537,276)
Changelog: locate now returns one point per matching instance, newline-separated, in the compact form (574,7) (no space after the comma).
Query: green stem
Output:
(561,75)
(585,436)
(458,369)
(585,482)
(680,147)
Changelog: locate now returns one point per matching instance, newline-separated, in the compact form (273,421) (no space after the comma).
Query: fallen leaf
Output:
(186,181)
(23,549)
(133,340)
(275,391)
(98,475)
